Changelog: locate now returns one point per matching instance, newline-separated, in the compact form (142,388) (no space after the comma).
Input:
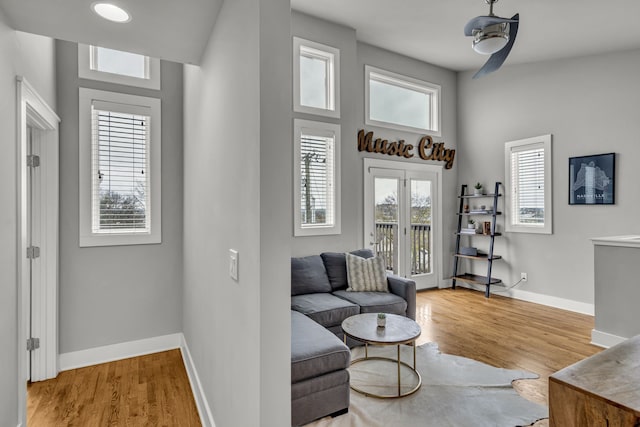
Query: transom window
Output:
(401,102)
(317,182)
(119,62)
(528,172)
(316,78)
(116,66)
(120,155)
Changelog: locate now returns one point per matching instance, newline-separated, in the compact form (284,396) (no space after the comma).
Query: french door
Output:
(402,218)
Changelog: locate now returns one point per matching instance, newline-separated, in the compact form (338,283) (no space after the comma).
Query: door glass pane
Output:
(420,236)
(386,221)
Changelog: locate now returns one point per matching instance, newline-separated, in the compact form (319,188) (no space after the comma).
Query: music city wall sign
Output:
(426,148)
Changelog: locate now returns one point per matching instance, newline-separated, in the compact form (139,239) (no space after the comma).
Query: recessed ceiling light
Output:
(111,12)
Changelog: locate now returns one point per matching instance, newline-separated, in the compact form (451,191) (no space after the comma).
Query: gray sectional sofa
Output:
(319,304)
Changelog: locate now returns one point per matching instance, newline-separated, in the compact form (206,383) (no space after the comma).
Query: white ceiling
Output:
(177,30)
(432,30)
(429,30)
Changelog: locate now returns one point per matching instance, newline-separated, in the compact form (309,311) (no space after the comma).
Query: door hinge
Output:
(33,252)
(33,161)
(33,344)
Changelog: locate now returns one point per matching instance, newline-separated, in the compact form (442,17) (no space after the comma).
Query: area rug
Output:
(456,392)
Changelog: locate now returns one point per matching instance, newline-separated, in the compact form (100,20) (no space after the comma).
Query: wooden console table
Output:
(602,390)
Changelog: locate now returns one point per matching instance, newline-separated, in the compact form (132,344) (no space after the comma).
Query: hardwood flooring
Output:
(506,333)
(150,390)
(154,390)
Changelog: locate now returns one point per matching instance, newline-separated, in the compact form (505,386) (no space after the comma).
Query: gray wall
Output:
(32,57)
(116,294)
(236,165)
(354,56)
(590,105)
(616,290)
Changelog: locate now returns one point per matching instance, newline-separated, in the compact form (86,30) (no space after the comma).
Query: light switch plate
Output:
(233,264)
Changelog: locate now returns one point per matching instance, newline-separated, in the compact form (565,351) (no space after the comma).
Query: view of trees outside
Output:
(121,166)
(386,218)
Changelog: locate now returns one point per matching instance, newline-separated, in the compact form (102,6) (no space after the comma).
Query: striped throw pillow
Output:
(366,274)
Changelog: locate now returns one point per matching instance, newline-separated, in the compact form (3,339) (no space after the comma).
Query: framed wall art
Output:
(592,179)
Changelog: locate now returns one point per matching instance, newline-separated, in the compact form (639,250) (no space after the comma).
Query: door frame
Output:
(34,112)
(437,229)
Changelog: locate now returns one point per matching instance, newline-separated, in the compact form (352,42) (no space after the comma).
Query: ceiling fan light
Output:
(491,39)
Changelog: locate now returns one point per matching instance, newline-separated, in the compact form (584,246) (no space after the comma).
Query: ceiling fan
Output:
(492,35)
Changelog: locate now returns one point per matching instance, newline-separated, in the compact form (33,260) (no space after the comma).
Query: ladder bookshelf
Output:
(489,234)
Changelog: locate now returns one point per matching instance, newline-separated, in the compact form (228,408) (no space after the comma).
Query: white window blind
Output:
(528,190)
(527,168)
(317,177)
(120,170)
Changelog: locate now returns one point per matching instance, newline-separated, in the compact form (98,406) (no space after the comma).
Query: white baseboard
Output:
(109,353)
(604,339)
(548,300)
(206,417)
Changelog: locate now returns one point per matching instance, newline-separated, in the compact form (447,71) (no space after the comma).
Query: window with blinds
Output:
(317,178)
(527,168)
(120,171)
(528,172)
(316,174)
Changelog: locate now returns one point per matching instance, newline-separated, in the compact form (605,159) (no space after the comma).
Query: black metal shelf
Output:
(489,257)
(477,279)
(474,196)
(479,257)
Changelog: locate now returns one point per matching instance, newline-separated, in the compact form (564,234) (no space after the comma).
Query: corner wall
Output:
(116,294)
(32,57)
(590,105)
(236,196)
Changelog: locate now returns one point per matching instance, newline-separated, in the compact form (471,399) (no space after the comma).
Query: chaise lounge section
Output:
(319,303)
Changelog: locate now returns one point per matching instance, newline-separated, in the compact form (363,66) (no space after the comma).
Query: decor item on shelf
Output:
(466,208)
(471,224)
(592,179)
(492,35)
(469,251)
(486,228)
(382,320)
(477,189)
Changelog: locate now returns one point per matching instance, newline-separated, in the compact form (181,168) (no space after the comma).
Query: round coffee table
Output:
(399,330)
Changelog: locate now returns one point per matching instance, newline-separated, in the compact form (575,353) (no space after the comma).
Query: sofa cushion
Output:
(366,274)
(375,302)
(326,309)
(336,266)
(309,276)
(314,350)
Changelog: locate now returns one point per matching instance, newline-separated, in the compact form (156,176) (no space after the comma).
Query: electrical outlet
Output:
(523,277)
(233,264)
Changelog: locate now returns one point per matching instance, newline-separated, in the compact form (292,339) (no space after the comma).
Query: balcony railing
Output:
(419,243)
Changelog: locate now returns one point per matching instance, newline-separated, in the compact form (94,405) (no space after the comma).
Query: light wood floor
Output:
(505,333)
(150,390)
(154,390)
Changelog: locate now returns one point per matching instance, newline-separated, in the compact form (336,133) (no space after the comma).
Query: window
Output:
(401,103)
(116,66)
(316,81)
(528,191)
(119,153)
(317,180)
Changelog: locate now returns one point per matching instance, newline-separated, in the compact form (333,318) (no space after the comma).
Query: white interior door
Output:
(401,220)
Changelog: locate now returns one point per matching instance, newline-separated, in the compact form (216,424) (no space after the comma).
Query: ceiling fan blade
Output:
(480,22)
(496,60)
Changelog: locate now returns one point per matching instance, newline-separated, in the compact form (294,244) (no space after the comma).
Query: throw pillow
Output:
(366,275)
